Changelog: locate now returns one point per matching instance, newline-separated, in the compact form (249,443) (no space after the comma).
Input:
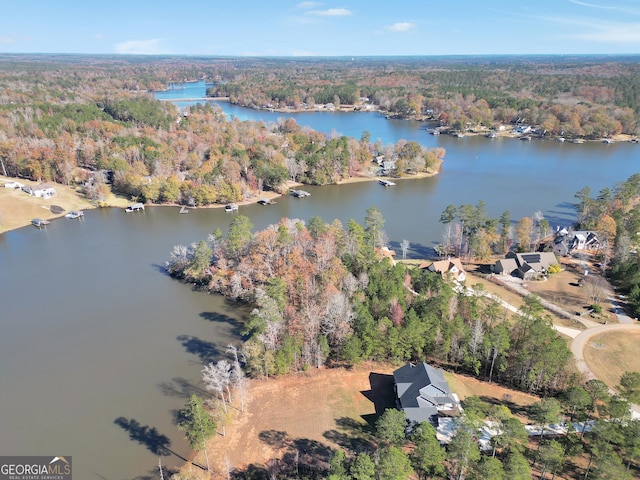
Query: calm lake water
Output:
(93,330)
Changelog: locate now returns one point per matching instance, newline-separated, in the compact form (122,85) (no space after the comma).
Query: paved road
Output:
(619,311)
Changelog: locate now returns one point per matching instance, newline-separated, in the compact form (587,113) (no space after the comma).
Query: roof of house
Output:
(507,264)
(420,389)
(443,266)
(538,261)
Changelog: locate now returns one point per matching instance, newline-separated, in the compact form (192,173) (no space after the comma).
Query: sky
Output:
(321,28)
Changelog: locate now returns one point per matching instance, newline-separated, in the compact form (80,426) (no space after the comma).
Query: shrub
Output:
(554,268)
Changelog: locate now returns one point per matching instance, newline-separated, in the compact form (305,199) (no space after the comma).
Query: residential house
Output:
(584,240)
(505,266)
(423,393)
(565,242)
(451,268)
(41,191)
(525,265)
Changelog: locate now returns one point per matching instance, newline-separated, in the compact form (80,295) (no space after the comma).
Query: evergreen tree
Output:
(363,468)
(394,464)
(390,427)
(428,455)
(196,422)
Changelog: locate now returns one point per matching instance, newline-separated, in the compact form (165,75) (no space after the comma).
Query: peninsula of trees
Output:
(322,294)
(93,122)
(326,295)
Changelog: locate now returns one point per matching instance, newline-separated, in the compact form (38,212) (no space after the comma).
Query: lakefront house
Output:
(525,265)
(423,393)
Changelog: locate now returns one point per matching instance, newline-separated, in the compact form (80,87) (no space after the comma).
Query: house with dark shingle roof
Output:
(525,265)
(423,393)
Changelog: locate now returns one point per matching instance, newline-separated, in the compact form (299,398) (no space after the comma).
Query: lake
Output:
(95,331)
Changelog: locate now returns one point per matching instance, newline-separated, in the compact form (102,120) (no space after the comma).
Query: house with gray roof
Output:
(525,265)
(423,393)
(505,266)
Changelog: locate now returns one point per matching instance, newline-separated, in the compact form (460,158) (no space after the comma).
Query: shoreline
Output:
(18,208)
(622,137)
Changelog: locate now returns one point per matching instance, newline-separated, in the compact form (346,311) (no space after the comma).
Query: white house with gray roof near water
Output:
(423,394)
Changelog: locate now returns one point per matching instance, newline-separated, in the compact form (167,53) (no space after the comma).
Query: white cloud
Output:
(633,11)
(613,33)
(401,27)
(7,40)
(591,5)
(307,5)
(331,12)
(142,47)
(98,36)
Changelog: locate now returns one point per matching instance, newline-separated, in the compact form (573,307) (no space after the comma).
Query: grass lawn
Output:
(611,354)
(18,208)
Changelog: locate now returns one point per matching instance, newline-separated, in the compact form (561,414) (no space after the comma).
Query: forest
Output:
(94,123)
(574,97)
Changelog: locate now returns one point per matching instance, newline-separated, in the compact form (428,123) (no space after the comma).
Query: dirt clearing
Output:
(313,414)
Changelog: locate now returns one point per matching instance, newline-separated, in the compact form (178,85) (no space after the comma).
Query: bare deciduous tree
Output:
(216,377)
(594,286)
(237,374)
(404,245)
(477,335)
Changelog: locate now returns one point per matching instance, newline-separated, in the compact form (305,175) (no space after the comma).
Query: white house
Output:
(42,191)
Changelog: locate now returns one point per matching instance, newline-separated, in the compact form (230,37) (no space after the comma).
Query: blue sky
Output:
(327,28)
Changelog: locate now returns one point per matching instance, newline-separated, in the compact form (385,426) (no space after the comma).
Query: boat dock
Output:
(40,223)
(232,207)
(300,193)
(135,207)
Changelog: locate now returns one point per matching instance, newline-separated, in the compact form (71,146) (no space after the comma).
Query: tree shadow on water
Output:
(205,351)
(149,437)
(181,388)
(216,317)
